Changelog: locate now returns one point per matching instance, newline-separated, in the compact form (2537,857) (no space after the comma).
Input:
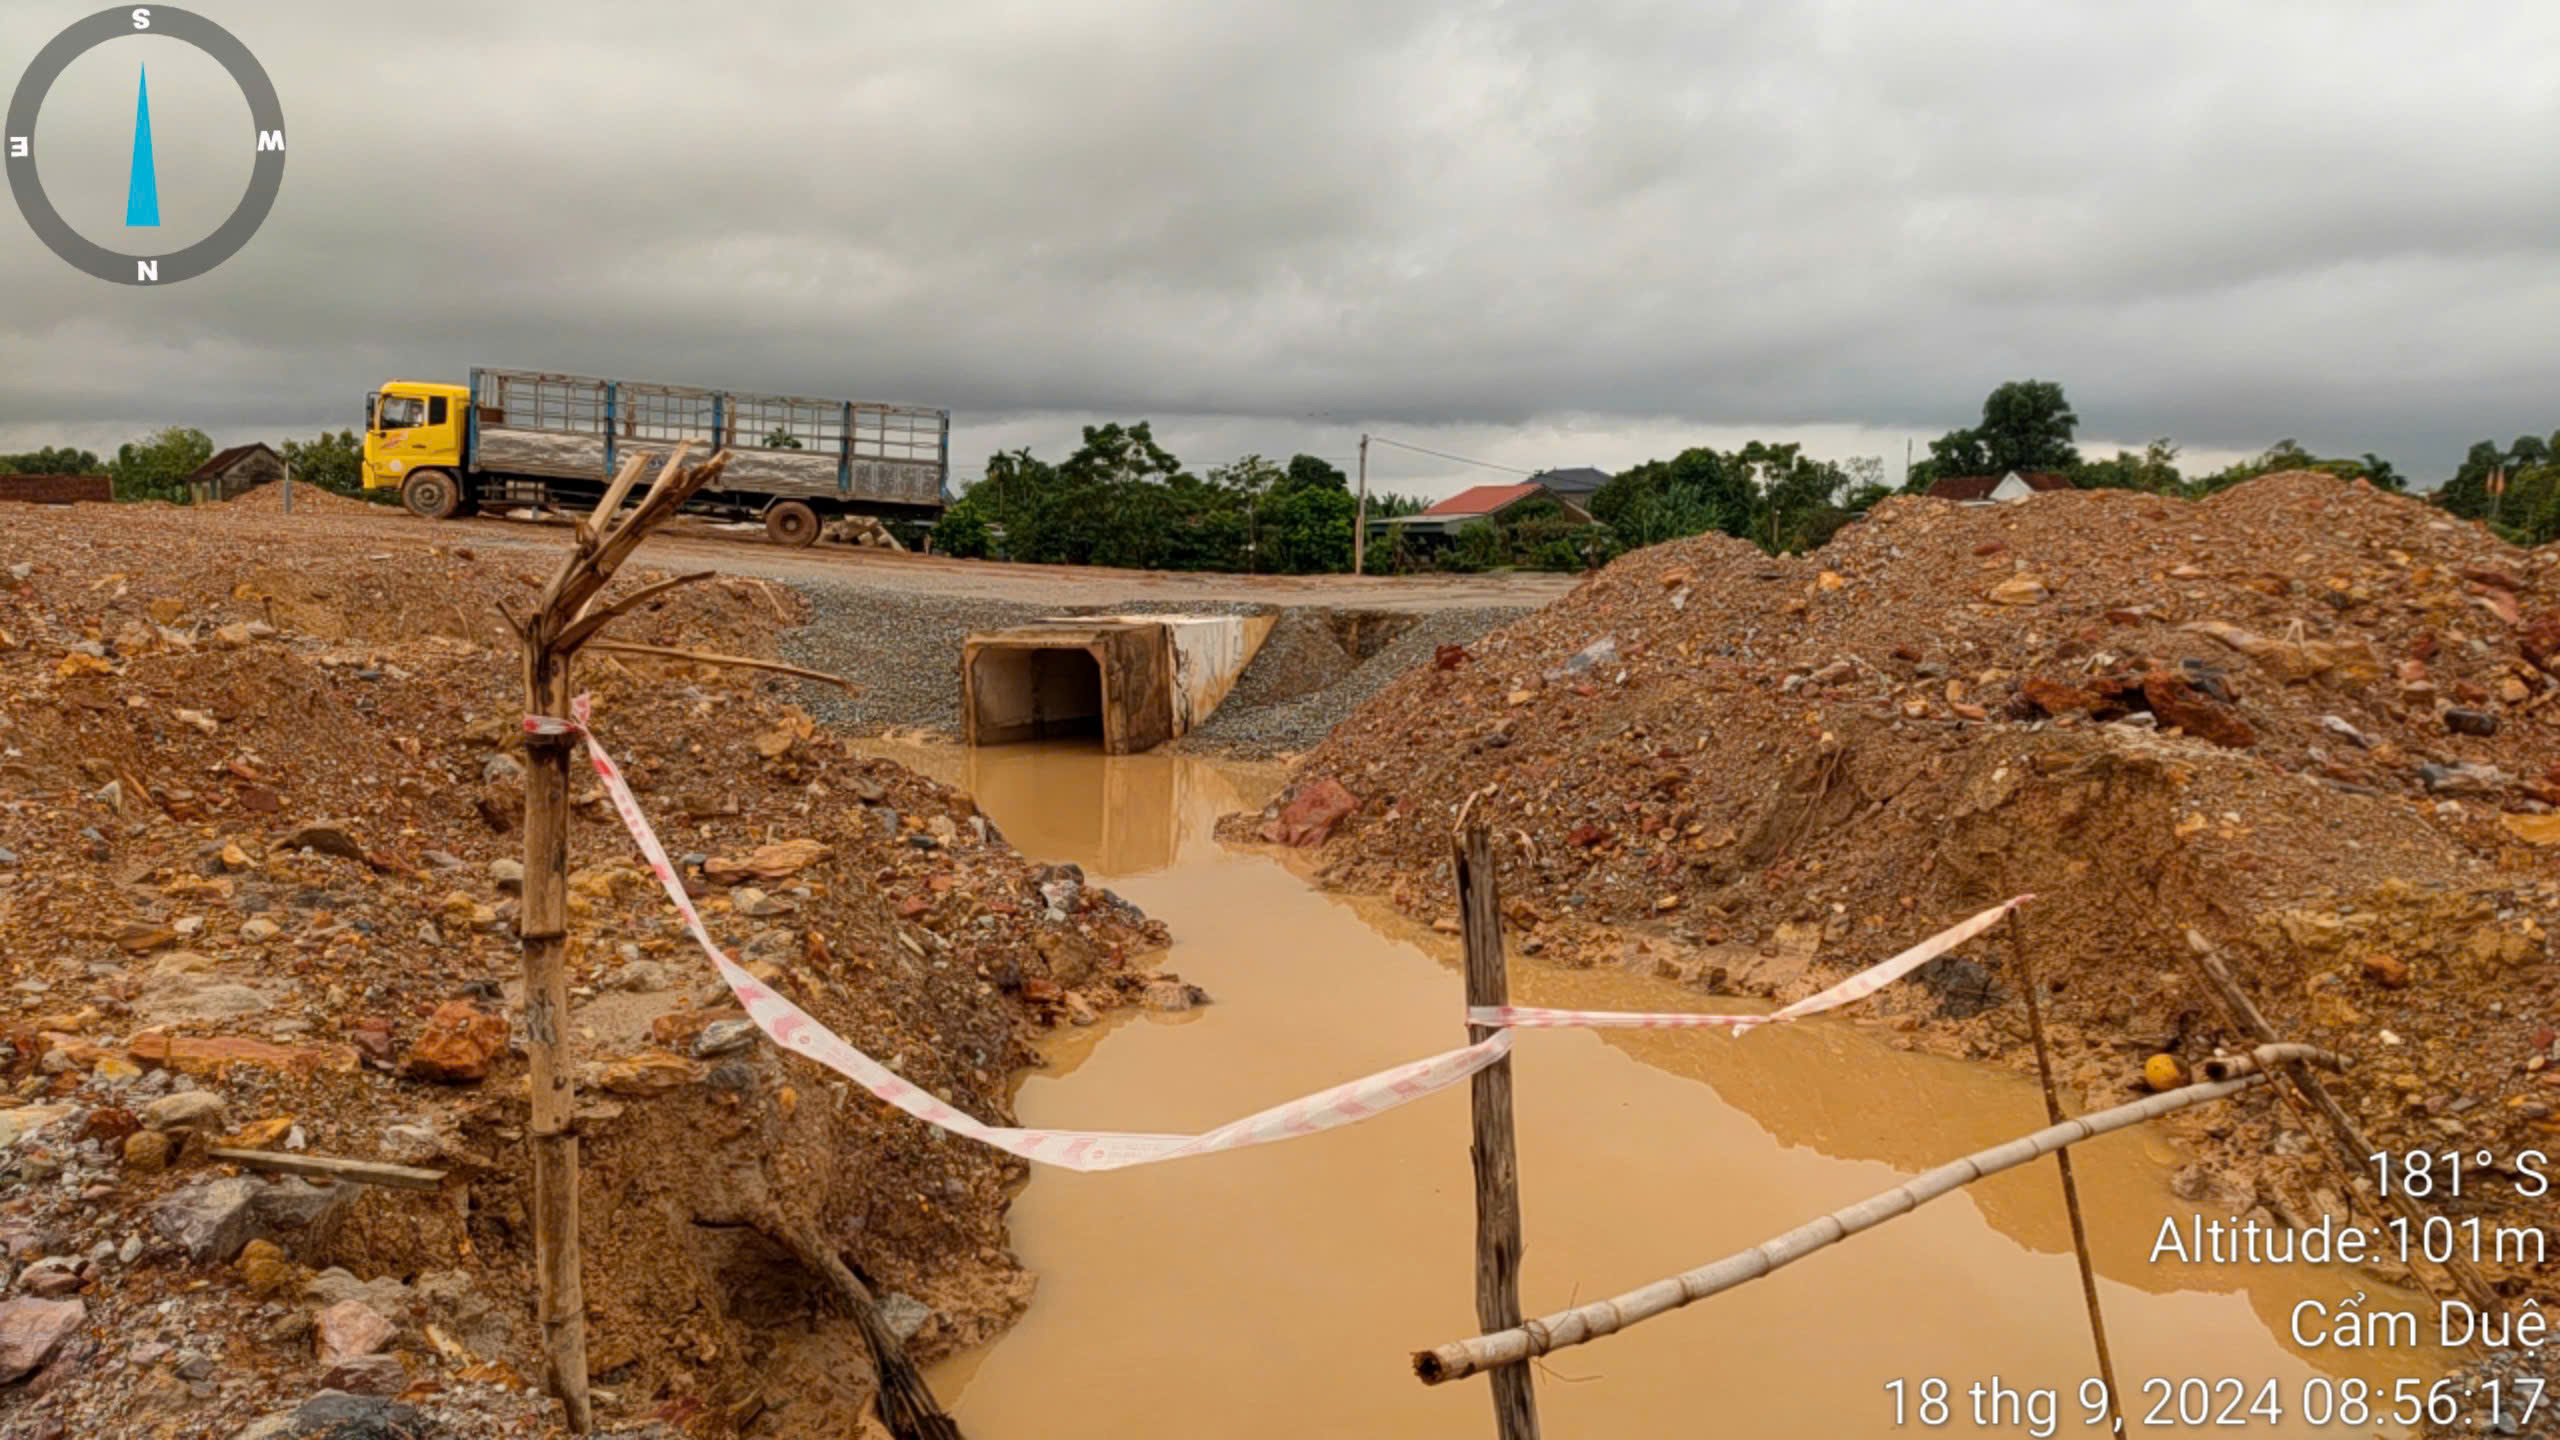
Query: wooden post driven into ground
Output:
(551,635)
(1517,1344)
(1497,1166)
(566,620)
(2027,986)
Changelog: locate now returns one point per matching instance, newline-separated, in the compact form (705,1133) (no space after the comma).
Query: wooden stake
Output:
(542,922)
(1585,1323)
(2062,1163)
(2351,1145)
(543,927)
(1515,1406)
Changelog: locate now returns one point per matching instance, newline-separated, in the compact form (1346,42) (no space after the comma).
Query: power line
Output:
(1445,455)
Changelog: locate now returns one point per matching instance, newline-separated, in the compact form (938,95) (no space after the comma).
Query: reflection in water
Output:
(1276,1292)
(1115,815)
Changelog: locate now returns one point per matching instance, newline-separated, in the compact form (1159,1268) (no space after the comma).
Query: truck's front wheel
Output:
(431,493)
(792,523)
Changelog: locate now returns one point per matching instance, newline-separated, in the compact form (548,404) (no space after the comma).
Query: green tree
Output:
(781,439)
(1308,470)
(1958,452)
(52,460)
(1306,530)
(2154,470)
(961,529)
(2028,425)
(157,468)
(332,462)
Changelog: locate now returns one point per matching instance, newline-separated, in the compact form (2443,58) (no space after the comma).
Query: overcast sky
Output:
(1532,233)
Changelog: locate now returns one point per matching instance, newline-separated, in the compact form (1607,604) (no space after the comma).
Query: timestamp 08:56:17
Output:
(2486,1406)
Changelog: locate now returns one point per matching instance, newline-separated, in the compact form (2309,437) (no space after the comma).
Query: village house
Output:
(233,472)
(1444,520)
(2006,489)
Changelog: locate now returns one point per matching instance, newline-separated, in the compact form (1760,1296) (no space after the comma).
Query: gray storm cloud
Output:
(1544,233)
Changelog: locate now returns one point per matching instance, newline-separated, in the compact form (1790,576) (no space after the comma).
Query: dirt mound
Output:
(260,867)
(2309,719)
(268,499)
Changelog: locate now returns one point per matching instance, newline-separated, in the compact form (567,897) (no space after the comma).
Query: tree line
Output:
(156,466)
(1121,498)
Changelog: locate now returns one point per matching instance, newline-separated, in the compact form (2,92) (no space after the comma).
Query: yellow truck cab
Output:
(413,440)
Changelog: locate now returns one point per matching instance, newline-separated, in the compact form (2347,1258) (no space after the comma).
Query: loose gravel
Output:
(1298,723)
(901,650)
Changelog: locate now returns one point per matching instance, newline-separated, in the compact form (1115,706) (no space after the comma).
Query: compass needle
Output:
(142,190)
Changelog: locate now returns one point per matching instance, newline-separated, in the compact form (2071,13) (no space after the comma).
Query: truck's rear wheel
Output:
(431,493)
(792,523)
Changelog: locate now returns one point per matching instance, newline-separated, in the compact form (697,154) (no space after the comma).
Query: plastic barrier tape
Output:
(1857,987)
(793,1029)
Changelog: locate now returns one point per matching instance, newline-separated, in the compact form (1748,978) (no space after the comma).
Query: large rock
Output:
(186,1110)
(349,1329)
(31,1330)
(458,1046)
(211,1219)
(337,1415)
(328,837)
(298,1213)
(1311,814)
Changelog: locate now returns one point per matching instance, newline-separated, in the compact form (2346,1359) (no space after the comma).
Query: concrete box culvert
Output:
(1132,681)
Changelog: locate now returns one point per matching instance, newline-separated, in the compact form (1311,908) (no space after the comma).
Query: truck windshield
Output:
(401,412)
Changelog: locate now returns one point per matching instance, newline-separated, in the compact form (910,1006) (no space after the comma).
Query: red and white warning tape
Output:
(792,1028)
(1857,987)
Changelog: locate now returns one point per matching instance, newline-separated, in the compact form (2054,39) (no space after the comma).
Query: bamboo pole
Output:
(2062,1164)
(1585,1323)
(2351,1145)
(1497,1167)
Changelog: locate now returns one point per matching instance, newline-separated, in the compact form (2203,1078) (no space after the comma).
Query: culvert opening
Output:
(1134,681)
(1035,692)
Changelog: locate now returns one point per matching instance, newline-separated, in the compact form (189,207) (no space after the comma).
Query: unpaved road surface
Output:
(744,553)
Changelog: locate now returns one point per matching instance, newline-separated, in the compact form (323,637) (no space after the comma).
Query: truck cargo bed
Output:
(843,454)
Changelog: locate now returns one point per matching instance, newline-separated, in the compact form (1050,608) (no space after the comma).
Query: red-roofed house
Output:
(2006,489)
(1483,502)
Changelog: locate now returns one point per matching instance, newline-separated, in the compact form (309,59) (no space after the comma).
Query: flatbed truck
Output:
(524,437)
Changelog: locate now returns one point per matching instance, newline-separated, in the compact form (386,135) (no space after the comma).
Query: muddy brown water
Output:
(1278,1291)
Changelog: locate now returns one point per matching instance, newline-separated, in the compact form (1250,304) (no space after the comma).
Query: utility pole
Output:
(1360,525)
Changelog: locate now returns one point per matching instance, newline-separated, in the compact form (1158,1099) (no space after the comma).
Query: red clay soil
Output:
(2312,721)
(258,807)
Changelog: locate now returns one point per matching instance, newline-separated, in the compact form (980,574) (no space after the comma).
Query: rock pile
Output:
(260,814)
(2311,720)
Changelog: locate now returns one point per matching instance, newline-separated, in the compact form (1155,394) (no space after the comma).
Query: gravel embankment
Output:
(1301,721)
(901,650)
